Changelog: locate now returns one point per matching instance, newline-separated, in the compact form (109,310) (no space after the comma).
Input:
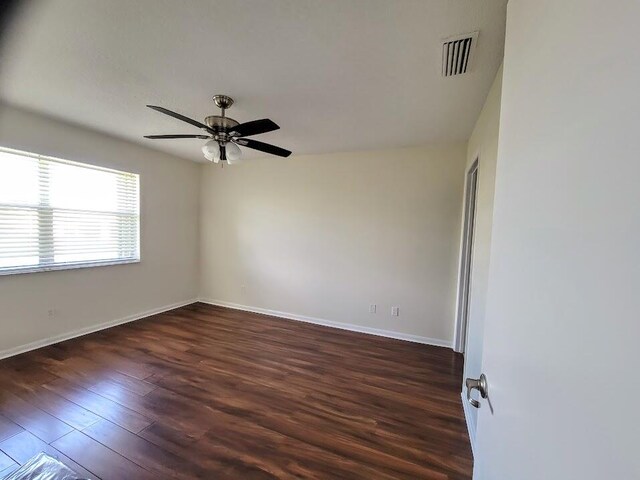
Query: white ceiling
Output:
(336,75)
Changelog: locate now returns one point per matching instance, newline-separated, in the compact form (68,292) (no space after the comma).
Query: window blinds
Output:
(56,214)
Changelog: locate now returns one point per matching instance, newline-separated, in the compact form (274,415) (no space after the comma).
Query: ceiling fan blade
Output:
(193,122)
(154,137)
(253,128)
(223,152)
(263,147)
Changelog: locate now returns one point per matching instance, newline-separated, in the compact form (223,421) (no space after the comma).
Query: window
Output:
(56,214)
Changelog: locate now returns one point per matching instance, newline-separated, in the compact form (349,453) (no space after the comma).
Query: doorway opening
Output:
(466,260)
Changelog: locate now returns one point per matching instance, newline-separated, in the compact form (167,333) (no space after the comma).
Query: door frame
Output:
(466,257)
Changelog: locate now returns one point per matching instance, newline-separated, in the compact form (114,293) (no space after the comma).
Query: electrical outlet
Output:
(52,313)
(395,311)
(372,308)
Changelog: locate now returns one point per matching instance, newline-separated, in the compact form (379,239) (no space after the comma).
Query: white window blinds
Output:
(56,214)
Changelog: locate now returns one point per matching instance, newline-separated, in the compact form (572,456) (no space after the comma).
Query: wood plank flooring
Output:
(213,393)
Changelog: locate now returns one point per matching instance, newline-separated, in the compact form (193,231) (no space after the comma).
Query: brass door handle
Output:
(479,384)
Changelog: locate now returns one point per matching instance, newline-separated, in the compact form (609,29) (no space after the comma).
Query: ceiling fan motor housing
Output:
(218,122)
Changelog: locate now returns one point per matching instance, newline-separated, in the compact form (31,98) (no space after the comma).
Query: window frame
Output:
(5,271)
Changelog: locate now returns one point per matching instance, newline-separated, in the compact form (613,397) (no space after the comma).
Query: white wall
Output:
(562,323)
(86,298)
(324,236)
(483,145)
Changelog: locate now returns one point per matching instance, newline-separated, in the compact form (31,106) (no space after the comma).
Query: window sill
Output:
(67,266)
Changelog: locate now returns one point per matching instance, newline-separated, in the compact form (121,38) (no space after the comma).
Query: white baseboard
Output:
(471,428)
(329,323)
(93,328)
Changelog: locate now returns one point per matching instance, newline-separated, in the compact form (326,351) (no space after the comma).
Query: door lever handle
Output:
(479,384)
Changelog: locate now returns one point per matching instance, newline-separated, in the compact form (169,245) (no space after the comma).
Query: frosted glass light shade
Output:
(233,153)
(211,151)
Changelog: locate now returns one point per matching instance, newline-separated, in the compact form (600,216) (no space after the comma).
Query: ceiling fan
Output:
(224,134)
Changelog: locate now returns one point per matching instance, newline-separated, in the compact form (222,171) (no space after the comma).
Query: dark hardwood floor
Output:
(208,392)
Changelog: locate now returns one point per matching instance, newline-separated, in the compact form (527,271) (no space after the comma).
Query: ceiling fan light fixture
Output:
(211,151)
(233,153)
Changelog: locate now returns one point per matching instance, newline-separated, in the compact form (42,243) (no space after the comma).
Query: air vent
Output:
(457,54)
